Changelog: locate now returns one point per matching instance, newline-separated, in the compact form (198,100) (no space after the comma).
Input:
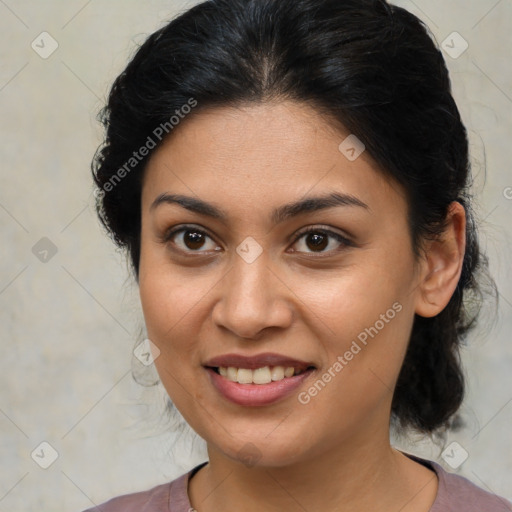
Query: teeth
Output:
(288,372)
(263,375)
(231,374)
(244,376)
(277,373)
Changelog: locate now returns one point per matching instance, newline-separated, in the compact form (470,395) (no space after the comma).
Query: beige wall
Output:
(68,325)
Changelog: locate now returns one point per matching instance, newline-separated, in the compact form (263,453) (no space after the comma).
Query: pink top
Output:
(455,494)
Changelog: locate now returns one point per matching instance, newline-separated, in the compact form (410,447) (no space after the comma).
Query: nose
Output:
(253,298)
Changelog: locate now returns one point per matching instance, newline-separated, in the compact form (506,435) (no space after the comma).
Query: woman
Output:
(290,180)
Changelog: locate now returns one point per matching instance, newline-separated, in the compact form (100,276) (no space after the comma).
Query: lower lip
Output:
(257,394)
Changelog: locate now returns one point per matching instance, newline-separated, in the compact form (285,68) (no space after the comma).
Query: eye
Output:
(317,239)
(191,240)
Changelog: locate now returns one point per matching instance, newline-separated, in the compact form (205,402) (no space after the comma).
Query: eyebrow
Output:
(280,214)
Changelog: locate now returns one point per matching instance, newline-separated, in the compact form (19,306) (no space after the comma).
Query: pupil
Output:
(194,238)
(320,240)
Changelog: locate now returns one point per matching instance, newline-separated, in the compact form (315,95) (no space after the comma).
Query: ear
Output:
(442,265)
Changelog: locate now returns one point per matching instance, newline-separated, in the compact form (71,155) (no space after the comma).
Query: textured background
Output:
(69,319)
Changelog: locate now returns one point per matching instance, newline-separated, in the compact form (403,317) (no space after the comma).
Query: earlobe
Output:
(442,265)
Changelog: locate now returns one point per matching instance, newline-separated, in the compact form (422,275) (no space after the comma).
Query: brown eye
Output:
(316,240)
(191,239)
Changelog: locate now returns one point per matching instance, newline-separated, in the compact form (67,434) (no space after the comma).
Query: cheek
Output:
(167,305)
(363,360)
(364,315)
(352,298)
(168,293)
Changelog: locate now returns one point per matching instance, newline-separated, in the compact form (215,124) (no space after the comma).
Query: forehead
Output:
(262,154)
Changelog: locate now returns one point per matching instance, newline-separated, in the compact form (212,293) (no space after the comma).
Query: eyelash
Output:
(167,237)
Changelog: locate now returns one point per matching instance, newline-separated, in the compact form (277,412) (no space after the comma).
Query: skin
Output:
(333,453)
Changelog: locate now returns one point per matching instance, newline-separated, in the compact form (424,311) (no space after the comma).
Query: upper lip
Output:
(257,361)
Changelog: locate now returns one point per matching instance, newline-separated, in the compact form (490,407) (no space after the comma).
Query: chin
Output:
(263,452)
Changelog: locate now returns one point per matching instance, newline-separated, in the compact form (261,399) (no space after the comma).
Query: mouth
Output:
(257,380)
(259,376)
(256,387)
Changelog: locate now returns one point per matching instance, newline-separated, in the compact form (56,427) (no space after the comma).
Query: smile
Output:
(257,388)
(263,375)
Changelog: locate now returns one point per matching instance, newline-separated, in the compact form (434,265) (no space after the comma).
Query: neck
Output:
(352,477)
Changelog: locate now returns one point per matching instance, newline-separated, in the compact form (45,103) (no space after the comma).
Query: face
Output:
(250,282)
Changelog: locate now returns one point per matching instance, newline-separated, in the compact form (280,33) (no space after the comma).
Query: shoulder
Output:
(168,497)
(154,500)
(457,492)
